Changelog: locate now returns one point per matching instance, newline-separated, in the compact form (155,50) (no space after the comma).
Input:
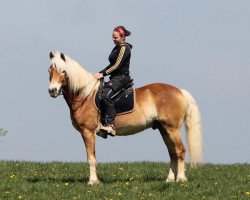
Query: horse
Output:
(158,105)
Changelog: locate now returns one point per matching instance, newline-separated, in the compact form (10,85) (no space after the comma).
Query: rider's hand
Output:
(98,75)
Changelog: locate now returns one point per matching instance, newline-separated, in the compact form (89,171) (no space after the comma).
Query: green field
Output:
(140,180)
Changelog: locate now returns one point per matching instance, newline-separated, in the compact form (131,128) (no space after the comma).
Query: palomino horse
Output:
(158,106)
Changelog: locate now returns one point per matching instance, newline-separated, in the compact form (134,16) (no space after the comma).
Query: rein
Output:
(63,92)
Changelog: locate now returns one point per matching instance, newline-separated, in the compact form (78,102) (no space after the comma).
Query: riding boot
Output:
(101,132)
(108,111)
(110,114)
(109,129)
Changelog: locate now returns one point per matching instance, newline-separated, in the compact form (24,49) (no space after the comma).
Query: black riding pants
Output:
(108,111)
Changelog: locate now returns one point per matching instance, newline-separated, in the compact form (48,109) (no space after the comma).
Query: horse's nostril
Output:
(52,90)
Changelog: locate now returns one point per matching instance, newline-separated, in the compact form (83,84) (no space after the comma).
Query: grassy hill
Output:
(140,180)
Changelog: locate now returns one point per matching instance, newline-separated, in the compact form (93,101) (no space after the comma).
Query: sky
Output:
(202,46)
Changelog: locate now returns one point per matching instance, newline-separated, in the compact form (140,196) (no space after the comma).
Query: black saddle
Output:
(123,99)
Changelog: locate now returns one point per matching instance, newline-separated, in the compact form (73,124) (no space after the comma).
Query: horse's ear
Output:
(51,55)
(63,57)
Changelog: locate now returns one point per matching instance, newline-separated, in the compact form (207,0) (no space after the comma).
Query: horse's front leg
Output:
(89,140)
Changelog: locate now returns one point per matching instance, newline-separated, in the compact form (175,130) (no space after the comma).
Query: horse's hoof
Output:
(170,180)
(91,183)
(181,179)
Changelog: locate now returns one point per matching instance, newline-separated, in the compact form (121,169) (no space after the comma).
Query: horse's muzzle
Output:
(53,92)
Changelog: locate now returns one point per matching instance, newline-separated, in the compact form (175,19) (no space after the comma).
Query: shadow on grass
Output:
(146,179)
(104,180)
(57,180)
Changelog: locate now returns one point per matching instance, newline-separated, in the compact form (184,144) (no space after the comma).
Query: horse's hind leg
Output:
(176,149)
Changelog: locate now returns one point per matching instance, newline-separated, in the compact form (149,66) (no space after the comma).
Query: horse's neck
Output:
(80,80)
(90,85)
(75,99)
(81,84)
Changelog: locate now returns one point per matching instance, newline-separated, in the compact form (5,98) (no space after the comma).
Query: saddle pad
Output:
(123,104)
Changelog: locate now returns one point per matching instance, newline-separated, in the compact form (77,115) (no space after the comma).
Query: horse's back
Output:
(160,90)
(166,100)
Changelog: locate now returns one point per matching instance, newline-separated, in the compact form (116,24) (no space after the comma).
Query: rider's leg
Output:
(108,111)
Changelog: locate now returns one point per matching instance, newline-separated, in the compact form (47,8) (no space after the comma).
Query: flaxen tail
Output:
(193,129)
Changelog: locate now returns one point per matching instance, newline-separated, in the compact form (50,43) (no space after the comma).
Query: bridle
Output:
(65,93)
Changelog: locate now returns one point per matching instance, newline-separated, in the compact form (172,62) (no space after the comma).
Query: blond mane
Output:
(79,78)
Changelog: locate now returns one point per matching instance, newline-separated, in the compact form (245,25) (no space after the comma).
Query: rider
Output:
(118,69)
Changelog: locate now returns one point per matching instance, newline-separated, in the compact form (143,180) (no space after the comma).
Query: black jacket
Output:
(119,60)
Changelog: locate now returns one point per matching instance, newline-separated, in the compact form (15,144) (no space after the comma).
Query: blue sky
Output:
(202,46)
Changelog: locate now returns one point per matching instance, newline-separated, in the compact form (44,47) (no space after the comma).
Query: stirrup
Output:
(100,132)
(109,129)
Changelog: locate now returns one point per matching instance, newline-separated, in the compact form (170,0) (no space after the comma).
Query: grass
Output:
(140,180)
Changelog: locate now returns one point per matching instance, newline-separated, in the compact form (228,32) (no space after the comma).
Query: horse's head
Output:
(57,73)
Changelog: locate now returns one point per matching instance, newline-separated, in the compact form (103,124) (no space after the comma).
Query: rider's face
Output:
(117,38)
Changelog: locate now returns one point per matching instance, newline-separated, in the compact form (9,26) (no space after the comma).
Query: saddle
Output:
(123,99)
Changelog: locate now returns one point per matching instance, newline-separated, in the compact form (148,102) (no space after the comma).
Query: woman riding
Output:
(118,69)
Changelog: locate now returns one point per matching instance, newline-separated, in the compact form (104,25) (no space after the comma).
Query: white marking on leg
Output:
(181,172)
(172,173)
(93,179)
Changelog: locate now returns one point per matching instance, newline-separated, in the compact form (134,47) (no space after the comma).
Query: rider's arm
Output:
(123,54)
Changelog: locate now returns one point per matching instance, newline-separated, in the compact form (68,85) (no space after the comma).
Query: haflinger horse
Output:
(158,106)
